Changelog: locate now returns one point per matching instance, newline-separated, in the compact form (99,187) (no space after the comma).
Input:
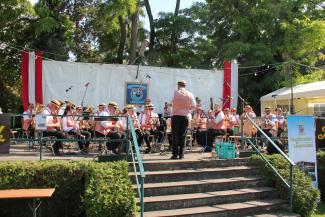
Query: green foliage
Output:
(305,196)
(321,173)
(109,191)
(14,18)
(265,32)
(83,188)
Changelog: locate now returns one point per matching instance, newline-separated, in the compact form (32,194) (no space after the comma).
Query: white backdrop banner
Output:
(108,83)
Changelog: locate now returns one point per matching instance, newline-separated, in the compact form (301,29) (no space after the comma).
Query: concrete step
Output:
(224,210)
(275,214)
(159,165)
(181,201)
(197,174)
(199,186)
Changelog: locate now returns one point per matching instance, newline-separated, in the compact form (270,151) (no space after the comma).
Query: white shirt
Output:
(65,124)
(220,117)
(105,124)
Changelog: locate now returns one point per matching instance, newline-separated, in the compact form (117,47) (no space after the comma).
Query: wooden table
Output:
(35,194)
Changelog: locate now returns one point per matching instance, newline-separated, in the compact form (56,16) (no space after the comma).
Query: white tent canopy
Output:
(315,89)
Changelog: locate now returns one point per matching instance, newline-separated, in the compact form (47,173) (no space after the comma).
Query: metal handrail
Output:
(292,164)
(140,164)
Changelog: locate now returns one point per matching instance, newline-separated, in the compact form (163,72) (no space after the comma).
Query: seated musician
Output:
(281,121)
(54,125)
(268,122)
(87,121)
(113,128)
(167,110)
(149,121)
(215,124)
(100,122)
(199,124)
(129,112)
(28,120)
(237,122)
(71,127)
(248,110)
(107,127)
(230,122)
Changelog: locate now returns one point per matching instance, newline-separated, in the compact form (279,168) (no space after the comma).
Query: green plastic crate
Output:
(226,150)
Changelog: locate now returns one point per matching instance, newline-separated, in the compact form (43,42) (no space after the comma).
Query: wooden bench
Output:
(35,194)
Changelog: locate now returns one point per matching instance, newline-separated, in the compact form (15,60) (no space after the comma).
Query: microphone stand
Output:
(83,98)
(244,103)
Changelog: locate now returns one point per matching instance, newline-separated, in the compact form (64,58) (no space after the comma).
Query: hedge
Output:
(305,196)
(83,188)
(321,173)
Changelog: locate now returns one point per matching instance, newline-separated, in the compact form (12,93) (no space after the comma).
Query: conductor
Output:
(182,104)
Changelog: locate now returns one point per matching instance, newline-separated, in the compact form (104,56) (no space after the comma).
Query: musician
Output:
(268,122)
(230,122)
(281,122)
(149,121)
(233,112)
(62,106)
(29,120)
(106,127)
(71,127)
(113,128)
(216,125)
(183,103)
(78,112)
(129,112)
(112,109)
(86,122)
(167,110)
(53,125)
(248,110)
(199,124)
(100,122)
(237,121)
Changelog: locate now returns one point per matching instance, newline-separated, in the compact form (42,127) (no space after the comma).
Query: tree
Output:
(14,18)
(52,31)
(134,33)
(265,32)
(152,26)
(82,13)
(173,38)
(109,22)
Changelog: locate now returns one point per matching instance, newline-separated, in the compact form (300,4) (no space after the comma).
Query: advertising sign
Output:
(4,133)
(320,133)
(302,147)
(136,93)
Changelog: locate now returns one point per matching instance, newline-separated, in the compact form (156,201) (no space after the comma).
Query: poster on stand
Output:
(302,147)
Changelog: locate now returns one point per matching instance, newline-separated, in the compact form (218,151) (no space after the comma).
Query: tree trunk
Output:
(152,27)
(120,51)
(134,33)
(173,39)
